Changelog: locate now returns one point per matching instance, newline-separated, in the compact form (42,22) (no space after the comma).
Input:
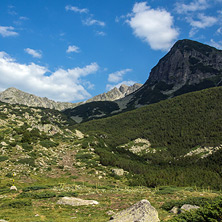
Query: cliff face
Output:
(188,62)
(188,66)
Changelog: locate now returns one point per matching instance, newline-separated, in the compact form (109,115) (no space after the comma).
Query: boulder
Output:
(118,172)
(76,201)
(175,210)
(142,211)
(188,207)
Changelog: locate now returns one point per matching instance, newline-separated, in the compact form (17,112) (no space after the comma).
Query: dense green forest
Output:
(174,127)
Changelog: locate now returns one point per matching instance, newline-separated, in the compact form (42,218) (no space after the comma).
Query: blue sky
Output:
(71,50)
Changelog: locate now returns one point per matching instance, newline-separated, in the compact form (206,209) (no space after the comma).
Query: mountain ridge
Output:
(189,66)
(16,96)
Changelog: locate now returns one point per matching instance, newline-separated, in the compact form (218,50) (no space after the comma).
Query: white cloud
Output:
(128,83)
(6,31)
(100,33)
(118,76)
(154,26)
(73,48)
(203,22)
(217,45)
(196,5)
(34,53)
(76,9)
(219,31)
(90,21)
(61,85)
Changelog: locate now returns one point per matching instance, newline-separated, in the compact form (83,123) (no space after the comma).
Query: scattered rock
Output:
(13,188)
(118,172)
(79,134)
(76,201)
(110,213)
(140,212)
(188,207)
(175,210)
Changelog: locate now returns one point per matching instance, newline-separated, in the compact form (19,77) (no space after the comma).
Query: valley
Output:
(161,141)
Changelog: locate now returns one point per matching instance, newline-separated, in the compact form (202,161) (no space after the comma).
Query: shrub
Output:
(40,195)
(68,194)
(48,143)
(199,201)
(18,203)
(27,147)
(34,188)
(3,158)
(209,212)
(29,161)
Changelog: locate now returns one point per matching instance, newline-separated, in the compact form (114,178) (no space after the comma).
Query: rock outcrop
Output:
(76,201)
(188,207)
(140,212)
(116,93)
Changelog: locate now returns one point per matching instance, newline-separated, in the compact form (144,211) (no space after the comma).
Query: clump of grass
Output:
(167,190)
(18,203)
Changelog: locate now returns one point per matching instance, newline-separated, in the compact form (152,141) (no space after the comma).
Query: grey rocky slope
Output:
(16,96)
(188,66)
(116,93)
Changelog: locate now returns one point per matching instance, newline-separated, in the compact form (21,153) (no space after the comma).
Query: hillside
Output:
(179,133)
(47,158)
(189,66)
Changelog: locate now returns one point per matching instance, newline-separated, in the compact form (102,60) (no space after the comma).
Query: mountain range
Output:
(16,96)
(188,66)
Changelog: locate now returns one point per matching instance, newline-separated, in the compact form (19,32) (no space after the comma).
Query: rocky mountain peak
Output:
(188,62)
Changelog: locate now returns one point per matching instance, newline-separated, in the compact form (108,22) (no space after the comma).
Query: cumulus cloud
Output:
(34,53)
(154,26)
(6,31)
(128,83)
(196,5)
(76,9)
(61,85)
(90,21)
(118,76)
(73,48)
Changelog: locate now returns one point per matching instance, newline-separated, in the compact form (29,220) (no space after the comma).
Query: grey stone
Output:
(76,201)
(142,211)
(175,210)
(188,207)
(118,172)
